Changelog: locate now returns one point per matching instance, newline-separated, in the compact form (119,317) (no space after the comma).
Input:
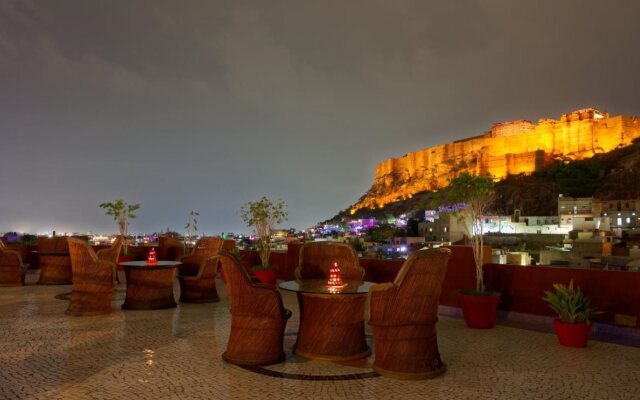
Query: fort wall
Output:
(509,148)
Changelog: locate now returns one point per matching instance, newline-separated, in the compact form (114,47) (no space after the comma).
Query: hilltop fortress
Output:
(509,148)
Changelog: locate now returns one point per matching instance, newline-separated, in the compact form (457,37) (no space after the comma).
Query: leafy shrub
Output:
(570,303)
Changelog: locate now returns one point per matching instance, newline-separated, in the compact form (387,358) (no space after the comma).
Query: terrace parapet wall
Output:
(521,287)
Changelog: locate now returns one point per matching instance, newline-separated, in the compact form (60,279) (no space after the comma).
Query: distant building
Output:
(572,207)
(444,228)
(624,214)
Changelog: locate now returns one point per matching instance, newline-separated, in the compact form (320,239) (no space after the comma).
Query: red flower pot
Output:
(572,335)
(479,311)
(266,275)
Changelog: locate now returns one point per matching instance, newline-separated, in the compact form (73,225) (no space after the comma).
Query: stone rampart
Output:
(509,148)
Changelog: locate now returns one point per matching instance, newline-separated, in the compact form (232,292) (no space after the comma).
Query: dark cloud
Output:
(204,105)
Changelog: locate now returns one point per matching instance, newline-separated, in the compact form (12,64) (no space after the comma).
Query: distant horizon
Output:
(207,106)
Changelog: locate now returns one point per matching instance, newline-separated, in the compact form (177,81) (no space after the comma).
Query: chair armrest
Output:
(186,259)
(269,299)
(202,269)
(380,296)
(255,282)
(380,287)
(15,255)
(363,271)
(114,269)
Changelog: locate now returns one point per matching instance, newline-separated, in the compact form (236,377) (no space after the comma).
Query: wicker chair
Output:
(12,270)
(55,269)
(93,280)
(403,317)
(258,318)
(198,272)
(111,254)
(316,258)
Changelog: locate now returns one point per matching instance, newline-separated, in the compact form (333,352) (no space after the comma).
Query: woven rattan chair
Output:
(111,254)
(258,318)
(197,275)
(403,317)
(93,280)
(12,270)
(316,258)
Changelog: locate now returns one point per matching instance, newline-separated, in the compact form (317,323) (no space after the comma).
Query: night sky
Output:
(205,105)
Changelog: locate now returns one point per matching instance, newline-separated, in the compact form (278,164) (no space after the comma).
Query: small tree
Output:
(381,233)
(477,194)
(191,227)
(262,216)
(121,212)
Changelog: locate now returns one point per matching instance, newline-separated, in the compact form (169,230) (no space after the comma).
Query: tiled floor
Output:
(175,354)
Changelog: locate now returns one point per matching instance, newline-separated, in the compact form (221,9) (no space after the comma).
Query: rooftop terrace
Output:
(175,354)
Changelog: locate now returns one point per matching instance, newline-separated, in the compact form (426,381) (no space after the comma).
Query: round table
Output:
(149,287)
(55,267)
(331,319)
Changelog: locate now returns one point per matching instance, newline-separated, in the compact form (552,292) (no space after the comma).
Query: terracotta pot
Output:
(266,275)
(572,335)
(479,311)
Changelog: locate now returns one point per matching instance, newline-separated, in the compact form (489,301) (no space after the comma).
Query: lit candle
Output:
(151,258)
(335,276)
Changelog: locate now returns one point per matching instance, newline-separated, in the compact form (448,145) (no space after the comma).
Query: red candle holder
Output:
(335,276)
(151,258)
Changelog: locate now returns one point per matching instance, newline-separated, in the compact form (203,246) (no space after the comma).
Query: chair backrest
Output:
(316,258)
(57,243)
(81,253)
(237,277)
(206,247)
(228,244)
(247,297)
(112,253)
(9,257)
(419,283)
(52,244)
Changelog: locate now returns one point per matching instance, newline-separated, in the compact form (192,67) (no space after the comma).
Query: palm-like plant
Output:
(191,227)
(262,216)
(121,212)
(477,194)
(570,303)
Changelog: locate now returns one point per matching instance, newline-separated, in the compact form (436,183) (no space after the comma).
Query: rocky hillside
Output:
(612,175)
(509,148)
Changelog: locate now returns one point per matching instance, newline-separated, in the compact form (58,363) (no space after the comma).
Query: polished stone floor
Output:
(175,354)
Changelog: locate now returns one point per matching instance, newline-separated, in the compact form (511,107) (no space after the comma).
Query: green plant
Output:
(262,215)
(121,212)
(570,303)
(477,194)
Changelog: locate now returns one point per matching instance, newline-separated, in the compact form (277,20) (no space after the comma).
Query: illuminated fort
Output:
(509,148)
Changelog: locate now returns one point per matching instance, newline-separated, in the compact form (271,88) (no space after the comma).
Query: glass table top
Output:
(320,286)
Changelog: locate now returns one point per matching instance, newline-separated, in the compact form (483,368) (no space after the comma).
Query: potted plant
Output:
(262,215)
(472,196)
(191,228)
(574,314)
(121,212)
